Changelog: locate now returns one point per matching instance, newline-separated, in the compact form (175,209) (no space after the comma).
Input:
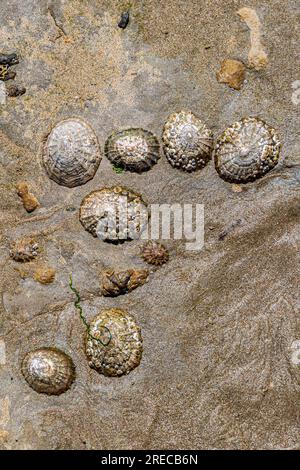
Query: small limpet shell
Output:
(187,141)
(24,250)
(48,370)
(124,350)
(246,151)
(113,214)
(71,154)
(44,274)
(132,149)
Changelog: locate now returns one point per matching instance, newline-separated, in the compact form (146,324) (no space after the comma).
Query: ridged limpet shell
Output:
(71,154)
(113,214)
(154,253)
(132,149)
(123,352)
(114,283)
(187,141)
(246,151)
(48,370)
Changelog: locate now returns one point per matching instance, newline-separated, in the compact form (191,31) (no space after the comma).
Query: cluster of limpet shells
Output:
(71,154)
(48,370)
(113,214)
(120,353)
(246,151)
(187,141)
(132,149)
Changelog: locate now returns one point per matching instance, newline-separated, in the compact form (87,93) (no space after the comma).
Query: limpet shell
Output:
(154,253)
(123,352)
(113,214)
(44,274)
(246,151)
(71,154)
(48,370)
(114,283)
(24,250)
(187,141)
(132,149)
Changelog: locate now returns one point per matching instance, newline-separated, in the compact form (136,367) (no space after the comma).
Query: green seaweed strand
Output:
(82,317)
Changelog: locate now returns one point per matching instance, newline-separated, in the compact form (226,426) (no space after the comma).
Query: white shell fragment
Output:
(72,153)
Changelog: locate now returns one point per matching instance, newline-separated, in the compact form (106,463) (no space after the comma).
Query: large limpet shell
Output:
(113,214)
(124,350)
(154,253)
(132,149)
(24,250)
(246,151)
(114,283)
(48,370)
(187,141)
(71,154)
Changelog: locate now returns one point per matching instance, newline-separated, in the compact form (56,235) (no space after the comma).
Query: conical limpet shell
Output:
(187,142)
(113,214)
(124,350)
(246,151)
(48,370)
(154,253)
(71,154)
(133,149)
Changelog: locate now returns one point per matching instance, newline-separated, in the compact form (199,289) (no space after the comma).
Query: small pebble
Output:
(6,74)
